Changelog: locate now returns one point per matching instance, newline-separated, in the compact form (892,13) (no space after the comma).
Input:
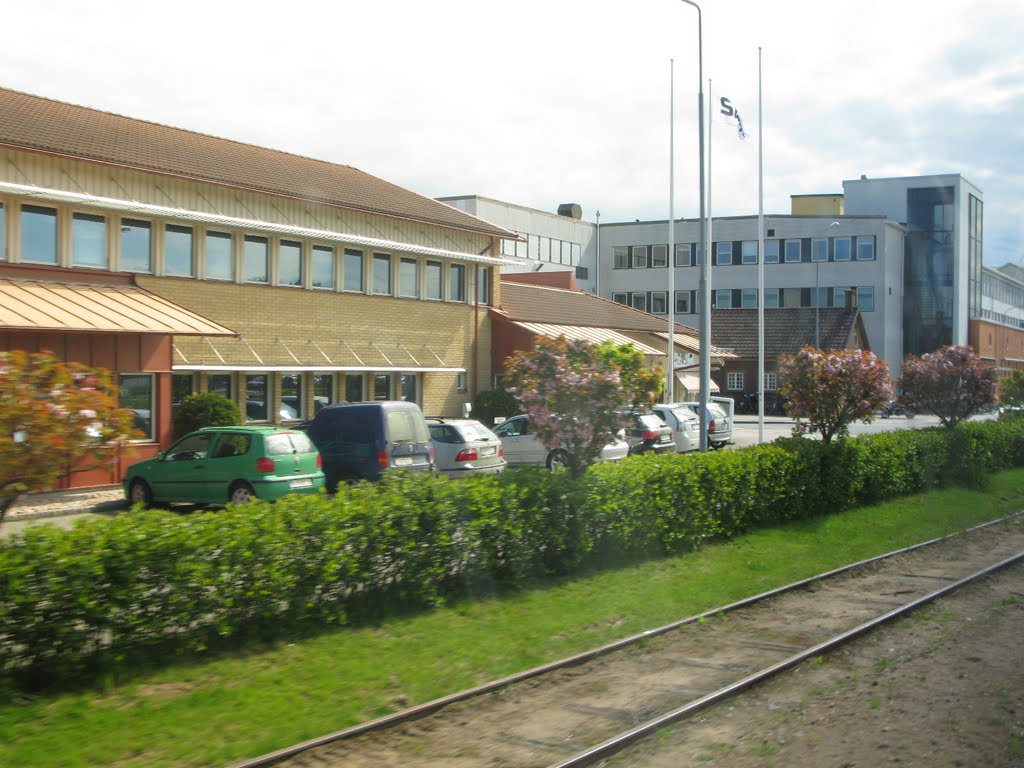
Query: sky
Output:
(539,103)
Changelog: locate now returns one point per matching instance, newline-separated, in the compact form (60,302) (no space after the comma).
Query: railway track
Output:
(579,710)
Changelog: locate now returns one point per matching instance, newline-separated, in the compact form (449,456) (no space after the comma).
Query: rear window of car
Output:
(284,443)
(406,427)
(650,421)
(444,434)
(472,431)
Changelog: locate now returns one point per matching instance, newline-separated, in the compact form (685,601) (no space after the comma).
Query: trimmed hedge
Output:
(143,585)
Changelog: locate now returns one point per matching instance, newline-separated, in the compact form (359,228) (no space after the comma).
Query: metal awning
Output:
(692,344)
(44,305)
(587,333)
(234,222)
(691,382)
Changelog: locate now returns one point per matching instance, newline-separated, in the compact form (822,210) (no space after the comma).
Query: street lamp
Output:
(705,309)
(834,226)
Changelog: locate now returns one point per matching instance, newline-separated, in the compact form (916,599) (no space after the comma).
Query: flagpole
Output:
(760,251)
(670,389)
(709,221)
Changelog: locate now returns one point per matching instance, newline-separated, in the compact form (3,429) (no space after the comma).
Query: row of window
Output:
(255,392)
(656,302)
(734,381)
(540,248)
(729,252)
(55,236)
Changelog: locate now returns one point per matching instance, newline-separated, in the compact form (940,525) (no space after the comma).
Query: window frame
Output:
(178,229)
(799,250)
(769,257)
(869,242)
(127,226)
(688,308)
(819,250)
(748,255)
(836,250)
(640,297)
(151,400)
(657,261)
(638,253)
(457,283)
(290,244)
(352,257)
(104,252)
(723,253)
(218,236)
(734,381)
(255,251)
(382,271)
(430,268)
(322,250)
(620,257)
(404,263)
(719,294)
(52,234)
(688,261)
(654,301)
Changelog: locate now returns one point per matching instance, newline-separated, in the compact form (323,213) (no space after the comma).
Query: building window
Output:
(620,257)
(683,303)
(508,247)
(433,285)
(88,240)
(819,249)
(255,259)
(457,282)
(639,256)
(638,301)
(842,249)
(220,259)
(819,297)
(354,388)
(460,382)
(659,255)
(748,298)
(38,234)
(866,298)
(220,384)
(292,388)
(771,382)
(734,381)
(771,298)
(381,386)
(483,285)
(382,274)
(409,387)
(577,254)
(866,248)
(659,302)
(408,278)
(322,267)
(353,270)
(723,253)
(289,263)
(723,298)
(545,249)
(684,252)
(749,251)
(793,252)
(323,390)
(179,252)
(182,385)
(621,298)
(771,251)
(257,397)
(3,248)
(136,393)
(136,245)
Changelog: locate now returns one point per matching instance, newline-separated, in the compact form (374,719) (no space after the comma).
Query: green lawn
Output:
(232,707)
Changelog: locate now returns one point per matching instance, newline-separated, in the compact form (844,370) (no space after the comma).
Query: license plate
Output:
(665,439)
(302,482)
(403,461)
(487,450)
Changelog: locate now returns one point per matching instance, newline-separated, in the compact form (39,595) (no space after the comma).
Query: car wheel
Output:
(558,459)
(140,493)
(241,493)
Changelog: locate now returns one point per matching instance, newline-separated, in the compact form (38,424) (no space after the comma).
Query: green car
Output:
(217,465)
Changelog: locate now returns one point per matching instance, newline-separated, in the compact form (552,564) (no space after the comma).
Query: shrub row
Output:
(142,585)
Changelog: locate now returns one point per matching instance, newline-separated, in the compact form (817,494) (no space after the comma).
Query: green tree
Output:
(491,403)
(54,417)
(205,409)
(831,390)
(572,394)
(952,383)
(1011,389)
(642,385)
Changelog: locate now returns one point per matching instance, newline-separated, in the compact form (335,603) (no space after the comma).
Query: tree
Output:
(833,389)
(493,403)
(642,385)
(952,383)
(54,416)
(205,409)
(1011,389)
(571,392)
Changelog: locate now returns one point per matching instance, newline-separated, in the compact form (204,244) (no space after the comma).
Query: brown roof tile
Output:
(785,330)
(43,125)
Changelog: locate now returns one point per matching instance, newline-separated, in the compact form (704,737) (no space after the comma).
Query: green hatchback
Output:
(218,465)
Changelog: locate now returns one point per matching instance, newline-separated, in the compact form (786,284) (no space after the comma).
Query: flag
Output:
(731,116)
(739,127)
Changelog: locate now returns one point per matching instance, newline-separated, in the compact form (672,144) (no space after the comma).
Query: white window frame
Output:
(799,251)
(723,292)
(620,257)
(771,382)
(638,256)
(848,248)
(748,298)
(684,254)
(769,246)
(655,297)
(819,249)
(621,298)
(748,252)
(638,297)
(868,241)
(686,309)
(734,381)
(723,253)
(659,256)
(863,292)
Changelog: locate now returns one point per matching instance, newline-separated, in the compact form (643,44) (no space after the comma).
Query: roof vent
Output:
(572,210)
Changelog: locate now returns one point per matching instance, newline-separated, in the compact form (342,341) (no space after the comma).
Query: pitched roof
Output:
(38,124)
(558,306)
(785,330)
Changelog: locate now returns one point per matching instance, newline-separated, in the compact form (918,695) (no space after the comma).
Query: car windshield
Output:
(283,443)
(405,427)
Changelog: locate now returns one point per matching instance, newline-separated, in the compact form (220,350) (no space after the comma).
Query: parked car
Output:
(217,465)
(524,448)
(648,433)
(719,421)
(464,447)
(360,440)
(684,424)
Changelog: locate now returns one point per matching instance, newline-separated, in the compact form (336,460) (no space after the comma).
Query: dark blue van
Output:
(359,440)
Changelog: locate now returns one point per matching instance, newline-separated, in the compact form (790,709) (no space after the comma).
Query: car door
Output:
(181,474)
(229,460)
(519,444)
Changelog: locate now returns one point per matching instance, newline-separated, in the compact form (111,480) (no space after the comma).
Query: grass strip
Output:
(222,710)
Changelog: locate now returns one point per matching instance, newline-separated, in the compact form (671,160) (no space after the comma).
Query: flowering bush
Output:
(54,416)
(952,383)
(571,392)
(833,389)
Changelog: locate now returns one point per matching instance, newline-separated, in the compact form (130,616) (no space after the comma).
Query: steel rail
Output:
(429,707)
(623,740)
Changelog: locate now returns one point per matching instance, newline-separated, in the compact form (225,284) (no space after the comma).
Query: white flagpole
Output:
(710,219)
(760,251)
(670,389)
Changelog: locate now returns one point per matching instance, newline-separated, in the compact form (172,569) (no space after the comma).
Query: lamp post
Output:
(834,226)
(705,298)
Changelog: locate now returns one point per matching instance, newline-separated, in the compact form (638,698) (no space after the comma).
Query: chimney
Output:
(851,298)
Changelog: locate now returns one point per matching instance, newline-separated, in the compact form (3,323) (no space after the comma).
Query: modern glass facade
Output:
(928,270)
(974,255)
